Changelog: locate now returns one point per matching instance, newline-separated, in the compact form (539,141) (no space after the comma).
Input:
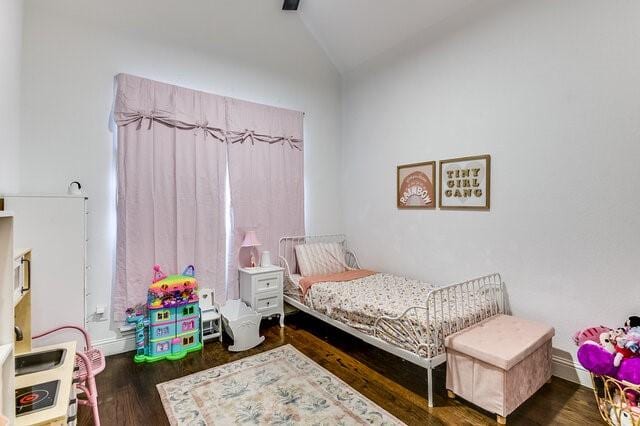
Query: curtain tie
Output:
(152,116)
(226,136)
(248,134)
(148,116)
(293,142)
(202,125)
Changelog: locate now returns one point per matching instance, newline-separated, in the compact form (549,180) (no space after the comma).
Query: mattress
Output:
(359,303)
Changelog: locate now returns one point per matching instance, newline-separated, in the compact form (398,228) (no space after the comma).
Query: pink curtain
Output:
(171,177)
(174,147)
(266,178)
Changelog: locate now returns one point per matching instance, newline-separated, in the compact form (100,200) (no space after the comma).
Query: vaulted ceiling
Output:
(354,31)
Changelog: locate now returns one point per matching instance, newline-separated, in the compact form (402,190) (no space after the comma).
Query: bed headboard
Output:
(287,253)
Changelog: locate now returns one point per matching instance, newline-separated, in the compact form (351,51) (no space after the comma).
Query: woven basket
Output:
(615,400)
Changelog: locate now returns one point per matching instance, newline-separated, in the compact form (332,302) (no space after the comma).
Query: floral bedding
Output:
(359,303)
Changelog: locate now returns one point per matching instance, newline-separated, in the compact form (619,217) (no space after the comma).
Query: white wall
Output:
(249,50)
(551,90)
(10,61)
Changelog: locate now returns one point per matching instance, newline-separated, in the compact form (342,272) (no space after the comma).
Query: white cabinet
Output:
(55,228)
(261,288)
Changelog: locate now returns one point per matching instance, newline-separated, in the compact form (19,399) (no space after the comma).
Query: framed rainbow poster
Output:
(416,186)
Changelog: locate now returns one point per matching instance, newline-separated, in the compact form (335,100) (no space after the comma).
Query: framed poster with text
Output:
(416,186)
(465,183)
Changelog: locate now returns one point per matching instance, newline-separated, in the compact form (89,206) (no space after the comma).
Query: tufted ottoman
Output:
(498,363)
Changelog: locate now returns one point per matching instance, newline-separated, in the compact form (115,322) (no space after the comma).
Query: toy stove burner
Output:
(37,397)
(31,398)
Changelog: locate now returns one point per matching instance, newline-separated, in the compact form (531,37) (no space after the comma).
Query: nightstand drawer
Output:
(267,282)
(267,302)
(261,288)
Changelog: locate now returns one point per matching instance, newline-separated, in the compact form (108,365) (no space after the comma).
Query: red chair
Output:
(88,364)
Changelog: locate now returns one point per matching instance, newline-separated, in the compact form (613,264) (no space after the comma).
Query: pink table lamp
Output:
(251,240)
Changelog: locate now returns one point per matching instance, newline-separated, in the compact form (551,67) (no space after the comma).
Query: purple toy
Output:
(629,371)
(598,360)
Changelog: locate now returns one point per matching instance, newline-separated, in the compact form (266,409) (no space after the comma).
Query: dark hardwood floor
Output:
(128,395)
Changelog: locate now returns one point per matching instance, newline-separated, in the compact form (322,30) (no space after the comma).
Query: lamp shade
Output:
(250,239)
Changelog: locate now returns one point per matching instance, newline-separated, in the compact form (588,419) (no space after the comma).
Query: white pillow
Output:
(320,259)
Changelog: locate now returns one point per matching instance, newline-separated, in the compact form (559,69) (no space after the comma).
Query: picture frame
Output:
(416,185)
(465,183)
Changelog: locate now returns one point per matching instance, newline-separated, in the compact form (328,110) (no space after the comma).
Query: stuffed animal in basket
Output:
(609,356)
(590,334)
(619,339)
(621,417)
(633,321)
(632,329)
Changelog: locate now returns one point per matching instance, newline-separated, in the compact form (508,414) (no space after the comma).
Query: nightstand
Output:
(261,288)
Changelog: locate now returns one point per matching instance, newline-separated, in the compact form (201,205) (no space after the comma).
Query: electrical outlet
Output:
(100,313)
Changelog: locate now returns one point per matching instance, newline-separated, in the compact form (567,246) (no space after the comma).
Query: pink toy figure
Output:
(158,274)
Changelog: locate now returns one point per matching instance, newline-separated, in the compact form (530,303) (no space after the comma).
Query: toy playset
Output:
(613,358)
(168,327)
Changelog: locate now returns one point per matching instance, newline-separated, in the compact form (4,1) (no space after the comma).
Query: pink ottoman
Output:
(498,363)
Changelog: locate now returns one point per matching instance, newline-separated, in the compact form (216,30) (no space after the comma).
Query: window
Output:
(166,315)
(159,315)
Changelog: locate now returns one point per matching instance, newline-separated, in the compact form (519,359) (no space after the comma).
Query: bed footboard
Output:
(422,329)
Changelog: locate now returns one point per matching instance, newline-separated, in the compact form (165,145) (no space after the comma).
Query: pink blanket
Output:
(307,282)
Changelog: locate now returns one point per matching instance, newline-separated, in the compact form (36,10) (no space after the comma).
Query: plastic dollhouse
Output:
(171,327)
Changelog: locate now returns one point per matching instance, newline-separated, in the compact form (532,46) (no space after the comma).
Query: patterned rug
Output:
(278,387)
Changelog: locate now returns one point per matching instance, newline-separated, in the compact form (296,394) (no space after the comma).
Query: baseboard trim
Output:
(567,369)
(562,367)
(116,345)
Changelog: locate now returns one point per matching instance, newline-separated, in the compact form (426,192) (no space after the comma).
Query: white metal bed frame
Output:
(426,342)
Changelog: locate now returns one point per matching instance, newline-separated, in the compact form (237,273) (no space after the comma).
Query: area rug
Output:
(278,387)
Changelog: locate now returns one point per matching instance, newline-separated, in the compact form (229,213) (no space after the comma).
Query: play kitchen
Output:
(44,392)
(36,384)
